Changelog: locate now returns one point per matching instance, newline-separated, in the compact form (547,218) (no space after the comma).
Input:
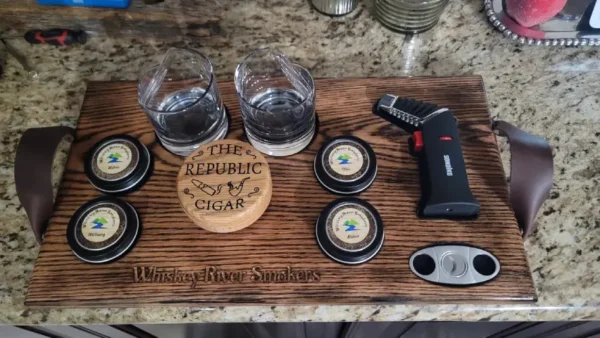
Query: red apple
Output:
(533,12)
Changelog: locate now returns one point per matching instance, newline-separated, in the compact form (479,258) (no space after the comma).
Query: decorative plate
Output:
(574,25)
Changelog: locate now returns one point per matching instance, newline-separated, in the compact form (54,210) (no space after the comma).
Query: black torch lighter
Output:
(445,191)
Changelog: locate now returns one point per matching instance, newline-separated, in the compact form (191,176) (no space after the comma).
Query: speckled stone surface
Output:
(551,92)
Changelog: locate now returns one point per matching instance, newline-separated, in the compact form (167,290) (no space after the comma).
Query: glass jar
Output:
(409,16)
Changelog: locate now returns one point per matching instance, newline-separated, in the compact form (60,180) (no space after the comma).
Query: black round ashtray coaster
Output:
(350,231)
(118,164)
(103,230)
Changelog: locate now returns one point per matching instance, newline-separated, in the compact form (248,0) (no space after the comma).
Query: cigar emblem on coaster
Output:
(224,186)
(207,189)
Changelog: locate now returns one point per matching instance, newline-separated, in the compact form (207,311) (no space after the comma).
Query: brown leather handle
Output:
(33,174)
(531,173)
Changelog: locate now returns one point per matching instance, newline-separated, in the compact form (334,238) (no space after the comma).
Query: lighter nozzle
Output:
(397,116)
(387,102)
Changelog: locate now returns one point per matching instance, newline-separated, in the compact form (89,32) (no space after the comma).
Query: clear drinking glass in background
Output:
(335,7)
(277,102)
(181,98)
(409,16)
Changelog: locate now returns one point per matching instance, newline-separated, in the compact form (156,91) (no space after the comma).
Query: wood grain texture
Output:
(284,236)
(224,186)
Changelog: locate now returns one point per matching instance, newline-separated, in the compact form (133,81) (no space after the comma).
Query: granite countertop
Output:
(551,92)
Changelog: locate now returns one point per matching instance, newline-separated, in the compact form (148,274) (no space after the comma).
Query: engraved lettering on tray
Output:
(216,275)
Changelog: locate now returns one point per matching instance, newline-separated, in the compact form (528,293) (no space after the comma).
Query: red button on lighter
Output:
(446,138)
(418,141)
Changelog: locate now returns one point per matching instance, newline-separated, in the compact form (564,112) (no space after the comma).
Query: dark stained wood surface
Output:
(284,235)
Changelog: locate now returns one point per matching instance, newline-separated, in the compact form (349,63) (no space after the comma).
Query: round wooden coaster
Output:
(224,186)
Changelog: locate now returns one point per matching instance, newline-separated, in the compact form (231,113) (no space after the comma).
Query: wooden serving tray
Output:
(186,265)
